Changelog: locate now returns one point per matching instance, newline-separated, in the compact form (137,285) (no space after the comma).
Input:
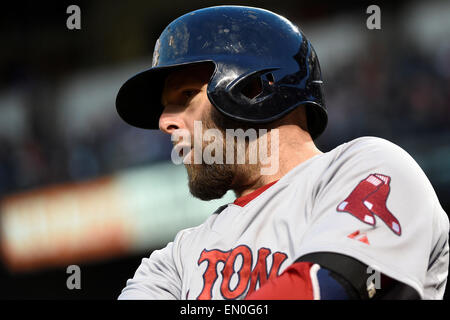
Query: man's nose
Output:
(169,122)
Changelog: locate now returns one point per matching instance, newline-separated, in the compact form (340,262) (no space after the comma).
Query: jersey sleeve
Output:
(375,204)
(156,278)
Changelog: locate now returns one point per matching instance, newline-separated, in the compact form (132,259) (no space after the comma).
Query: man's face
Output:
(185,100)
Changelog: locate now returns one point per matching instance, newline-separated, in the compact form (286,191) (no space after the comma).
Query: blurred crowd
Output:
(400,94)
(44,158)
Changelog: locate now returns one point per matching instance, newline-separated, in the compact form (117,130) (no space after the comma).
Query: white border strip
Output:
(315,282)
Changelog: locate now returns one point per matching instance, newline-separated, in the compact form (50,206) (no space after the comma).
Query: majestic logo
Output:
(247,277)
(369,199)
(359,236)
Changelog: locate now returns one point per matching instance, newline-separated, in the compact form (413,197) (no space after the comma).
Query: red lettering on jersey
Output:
(210,275)
(244,275)
(368,199)
(259,273)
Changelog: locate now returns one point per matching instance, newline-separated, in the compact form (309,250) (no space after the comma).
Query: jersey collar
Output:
(244,200)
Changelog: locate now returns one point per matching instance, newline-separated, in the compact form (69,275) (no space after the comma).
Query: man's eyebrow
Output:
(176,82)
(185,84)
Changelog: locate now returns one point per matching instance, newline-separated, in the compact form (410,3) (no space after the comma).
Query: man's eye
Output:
(189,93)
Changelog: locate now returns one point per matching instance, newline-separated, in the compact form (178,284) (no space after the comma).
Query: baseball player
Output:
(361,221)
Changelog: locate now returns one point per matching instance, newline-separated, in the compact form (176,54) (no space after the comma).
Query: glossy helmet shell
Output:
(244,44)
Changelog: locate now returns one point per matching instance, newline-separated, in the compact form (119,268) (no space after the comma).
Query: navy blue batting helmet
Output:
(244,44)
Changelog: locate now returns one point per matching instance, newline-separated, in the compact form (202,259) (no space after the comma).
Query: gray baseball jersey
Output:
(367,199)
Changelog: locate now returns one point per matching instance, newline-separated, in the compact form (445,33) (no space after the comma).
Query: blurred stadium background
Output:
(79,186)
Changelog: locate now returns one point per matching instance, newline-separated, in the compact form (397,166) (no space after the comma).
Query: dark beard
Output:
(209,181)
(212,181)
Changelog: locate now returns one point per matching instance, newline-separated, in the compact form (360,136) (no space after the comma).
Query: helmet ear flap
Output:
(270,78)
(254,87)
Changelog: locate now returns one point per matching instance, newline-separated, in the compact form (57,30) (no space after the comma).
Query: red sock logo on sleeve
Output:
(369,199)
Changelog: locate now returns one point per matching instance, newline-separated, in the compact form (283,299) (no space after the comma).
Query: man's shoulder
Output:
(359,158)
(360,155)
(369,143)
(371,150)
(367,156)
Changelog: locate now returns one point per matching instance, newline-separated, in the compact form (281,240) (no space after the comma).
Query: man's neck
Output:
(295,147)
